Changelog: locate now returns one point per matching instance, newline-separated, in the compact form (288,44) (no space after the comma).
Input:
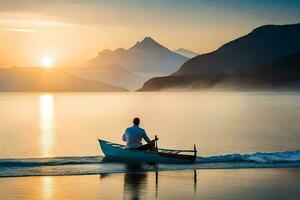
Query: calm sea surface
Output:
(41,125)
(68,124)
(245,184)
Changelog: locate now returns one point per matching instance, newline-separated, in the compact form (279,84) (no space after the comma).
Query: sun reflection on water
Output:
(47,187)
(46,124)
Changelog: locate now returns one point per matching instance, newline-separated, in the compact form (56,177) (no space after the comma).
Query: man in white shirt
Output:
(133,137)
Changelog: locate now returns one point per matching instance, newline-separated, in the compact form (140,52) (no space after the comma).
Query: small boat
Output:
(120,152)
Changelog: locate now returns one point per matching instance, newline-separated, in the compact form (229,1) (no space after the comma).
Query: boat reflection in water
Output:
(139,184)
(135,181)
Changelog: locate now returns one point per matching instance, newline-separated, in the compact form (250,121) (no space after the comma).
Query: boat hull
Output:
(132,155)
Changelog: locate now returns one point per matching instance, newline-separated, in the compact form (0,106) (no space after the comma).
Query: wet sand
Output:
(228,184)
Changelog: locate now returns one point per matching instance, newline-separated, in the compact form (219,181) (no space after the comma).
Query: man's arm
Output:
(124,136)
(145,136)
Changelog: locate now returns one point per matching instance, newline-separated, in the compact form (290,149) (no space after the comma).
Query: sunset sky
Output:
(71,32)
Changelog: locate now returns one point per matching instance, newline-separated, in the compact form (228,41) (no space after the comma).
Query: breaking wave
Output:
(82,165)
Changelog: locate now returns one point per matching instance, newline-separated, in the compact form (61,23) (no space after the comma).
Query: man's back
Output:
(133,136)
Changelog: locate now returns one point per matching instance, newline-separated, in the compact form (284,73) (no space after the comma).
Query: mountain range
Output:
(130,68)
(109,71)
(260,51)
(266,58)
(282,74)
(147,57)
(48,80)
(263,44)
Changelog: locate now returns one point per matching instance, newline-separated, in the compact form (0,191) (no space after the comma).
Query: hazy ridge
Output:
(110,74)
(186,52)
(266,58)
(48,80)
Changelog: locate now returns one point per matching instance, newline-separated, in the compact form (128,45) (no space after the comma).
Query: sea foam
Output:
(84,165)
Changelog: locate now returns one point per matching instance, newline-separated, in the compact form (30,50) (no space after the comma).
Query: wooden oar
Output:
(155,140)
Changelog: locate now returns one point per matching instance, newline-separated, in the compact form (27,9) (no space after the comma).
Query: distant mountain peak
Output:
(146,56)
(148,39)
(109,52)
(105,51)
(185,52)
(148,42)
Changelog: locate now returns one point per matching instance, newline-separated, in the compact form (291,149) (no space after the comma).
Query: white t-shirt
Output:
(133,136)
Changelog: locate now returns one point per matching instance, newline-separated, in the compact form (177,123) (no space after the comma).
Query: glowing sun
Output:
(47,62)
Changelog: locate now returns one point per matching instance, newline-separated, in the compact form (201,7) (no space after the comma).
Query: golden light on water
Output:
(47,187)
(46,124)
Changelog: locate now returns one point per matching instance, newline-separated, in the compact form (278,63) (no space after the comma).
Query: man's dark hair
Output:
(136,121)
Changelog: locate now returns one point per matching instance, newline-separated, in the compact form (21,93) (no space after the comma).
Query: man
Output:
(133,137)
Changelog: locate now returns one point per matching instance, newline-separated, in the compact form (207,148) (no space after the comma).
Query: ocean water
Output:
(56,133)
(97,165)
(245,184)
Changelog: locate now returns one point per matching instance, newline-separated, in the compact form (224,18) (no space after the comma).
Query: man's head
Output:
(136,121)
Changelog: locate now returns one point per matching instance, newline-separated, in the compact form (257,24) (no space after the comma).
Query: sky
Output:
(73,31)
